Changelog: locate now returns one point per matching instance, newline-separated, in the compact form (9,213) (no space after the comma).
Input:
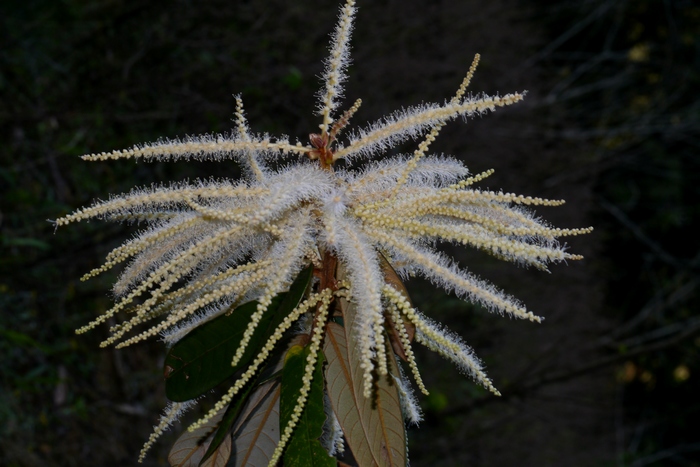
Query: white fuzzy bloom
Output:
(336,64)
(336,203)
(409,404)
(209,244)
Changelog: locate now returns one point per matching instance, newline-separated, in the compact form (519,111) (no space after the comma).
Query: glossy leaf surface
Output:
(304,447)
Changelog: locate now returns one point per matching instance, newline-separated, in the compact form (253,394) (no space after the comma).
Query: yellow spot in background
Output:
(639,53)
(681,373)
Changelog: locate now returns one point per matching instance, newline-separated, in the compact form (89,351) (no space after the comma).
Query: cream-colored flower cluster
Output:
(213,244)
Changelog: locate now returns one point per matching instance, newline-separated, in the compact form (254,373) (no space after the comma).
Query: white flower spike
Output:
(211,244)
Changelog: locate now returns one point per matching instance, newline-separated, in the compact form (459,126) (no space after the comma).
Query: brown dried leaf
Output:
(256,432)
(189,448)
(395,339)
(374,428)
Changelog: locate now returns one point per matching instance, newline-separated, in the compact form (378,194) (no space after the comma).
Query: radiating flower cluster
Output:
(216,243)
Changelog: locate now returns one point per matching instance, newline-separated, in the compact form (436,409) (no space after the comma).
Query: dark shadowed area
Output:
(611,123)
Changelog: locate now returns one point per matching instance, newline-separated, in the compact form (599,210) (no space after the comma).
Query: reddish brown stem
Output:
(328,268)
(327,280)
(323,150)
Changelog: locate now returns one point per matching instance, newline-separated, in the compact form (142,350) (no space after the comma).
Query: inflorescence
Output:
(210,244)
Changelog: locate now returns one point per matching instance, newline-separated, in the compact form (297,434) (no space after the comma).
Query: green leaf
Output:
(304,448)
(190,447)
(202,359)
(373,427)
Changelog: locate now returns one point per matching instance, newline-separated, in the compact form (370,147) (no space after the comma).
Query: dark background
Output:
(610,123)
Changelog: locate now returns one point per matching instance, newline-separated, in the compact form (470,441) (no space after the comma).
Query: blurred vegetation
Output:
(611,124)
(630,74)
